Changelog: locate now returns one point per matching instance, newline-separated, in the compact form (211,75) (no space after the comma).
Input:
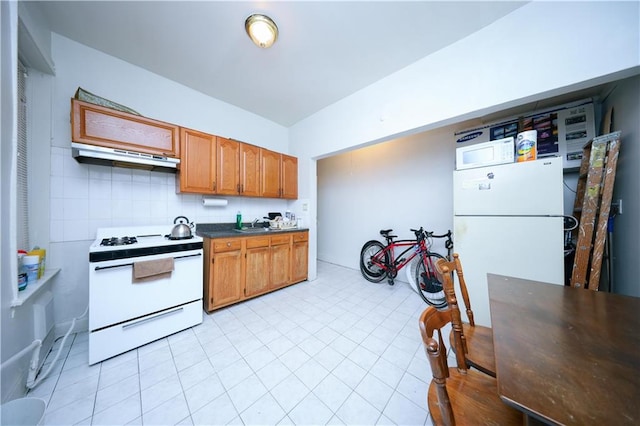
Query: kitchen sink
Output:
(247,230)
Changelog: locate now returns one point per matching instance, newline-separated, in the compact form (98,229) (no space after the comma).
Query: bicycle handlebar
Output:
(420,233)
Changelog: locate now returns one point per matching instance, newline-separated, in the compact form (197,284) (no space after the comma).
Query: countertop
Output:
(226,230)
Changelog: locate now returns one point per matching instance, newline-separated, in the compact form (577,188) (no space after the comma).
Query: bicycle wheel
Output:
(373,271)
(427,283)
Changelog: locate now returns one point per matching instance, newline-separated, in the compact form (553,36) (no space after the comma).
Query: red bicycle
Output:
(379,261)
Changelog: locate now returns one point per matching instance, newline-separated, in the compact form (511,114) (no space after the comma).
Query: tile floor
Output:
(338,350)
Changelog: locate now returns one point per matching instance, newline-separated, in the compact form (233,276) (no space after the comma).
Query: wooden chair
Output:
(476,340)
(460,396)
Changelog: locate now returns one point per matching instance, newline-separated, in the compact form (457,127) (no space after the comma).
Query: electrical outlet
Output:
(305,207)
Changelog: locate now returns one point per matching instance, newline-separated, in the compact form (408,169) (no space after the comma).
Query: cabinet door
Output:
(289,177)
(270,171)
(226,280)
(299,257)
(249,170)
(280,260)
(228,173)
(96,125)
(197,162)
(257,268)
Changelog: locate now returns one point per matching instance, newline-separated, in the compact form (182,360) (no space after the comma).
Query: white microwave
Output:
(499,151)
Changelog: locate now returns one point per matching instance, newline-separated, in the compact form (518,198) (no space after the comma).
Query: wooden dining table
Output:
(565,355)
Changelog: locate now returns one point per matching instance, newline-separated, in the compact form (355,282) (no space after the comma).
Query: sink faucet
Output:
(254,222)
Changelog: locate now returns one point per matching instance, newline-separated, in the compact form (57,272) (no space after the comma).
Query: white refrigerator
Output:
(508,221)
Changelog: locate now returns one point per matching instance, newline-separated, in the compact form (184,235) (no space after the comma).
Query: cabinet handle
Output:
(229,244)
(214,185)
(238,189)
(146,320)
(242,188)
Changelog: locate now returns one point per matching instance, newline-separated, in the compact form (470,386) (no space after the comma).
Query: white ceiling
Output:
(326,50)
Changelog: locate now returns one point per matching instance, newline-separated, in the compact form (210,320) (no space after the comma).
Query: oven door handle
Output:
(99,268)
(155,317)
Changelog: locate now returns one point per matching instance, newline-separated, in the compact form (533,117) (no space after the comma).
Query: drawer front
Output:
(277,240)
(120,338)
(300,236)
(230,244)
(255,242)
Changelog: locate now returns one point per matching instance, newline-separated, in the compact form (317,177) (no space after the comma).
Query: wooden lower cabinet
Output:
(280,261)
(223,272)
(240,268)
(299,256)
(258,259)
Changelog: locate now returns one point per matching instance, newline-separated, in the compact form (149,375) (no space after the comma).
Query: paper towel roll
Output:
(214,202)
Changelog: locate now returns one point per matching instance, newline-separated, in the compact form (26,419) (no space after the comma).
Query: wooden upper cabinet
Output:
(289,177)
(228,174)
(198,162)
(249,170)
(96,125)
(279,175)
(270,174)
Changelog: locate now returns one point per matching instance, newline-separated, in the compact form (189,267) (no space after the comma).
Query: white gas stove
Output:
(126,310)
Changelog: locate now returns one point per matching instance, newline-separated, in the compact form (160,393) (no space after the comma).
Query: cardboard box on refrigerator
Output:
(561,131)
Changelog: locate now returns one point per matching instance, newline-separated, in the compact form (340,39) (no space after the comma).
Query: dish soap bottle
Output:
(239,220)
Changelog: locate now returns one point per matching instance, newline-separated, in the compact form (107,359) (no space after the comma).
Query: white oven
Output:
(126,311)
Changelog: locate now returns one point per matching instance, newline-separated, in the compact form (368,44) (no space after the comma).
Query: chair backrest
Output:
(472,395)
(430,321)
(445,276)
(456,265)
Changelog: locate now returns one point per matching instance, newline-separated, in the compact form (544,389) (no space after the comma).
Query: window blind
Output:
(22,238)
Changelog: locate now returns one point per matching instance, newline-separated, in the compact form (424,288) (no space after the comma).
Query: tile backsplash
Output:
(84,197)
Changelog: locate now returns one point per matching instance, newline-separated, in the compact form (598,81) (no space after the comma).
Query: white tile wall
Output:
(85,197)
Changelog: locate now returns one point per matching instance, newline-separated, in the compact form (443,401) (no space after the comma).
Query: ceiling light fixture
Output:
(262,30)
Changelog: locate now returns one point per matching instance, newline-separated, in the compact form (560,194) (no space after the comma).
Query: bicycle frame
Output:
(398,262)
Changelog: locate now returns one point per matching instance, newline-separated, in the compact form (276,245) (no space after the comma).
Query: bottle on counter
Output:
(239,220)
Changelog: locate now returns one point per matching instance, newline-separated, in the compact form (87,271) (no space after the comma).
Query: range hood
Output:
(115,157)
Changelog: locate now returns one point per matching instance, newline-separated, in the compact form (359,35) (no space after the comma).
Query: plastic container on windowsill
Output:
(22,281)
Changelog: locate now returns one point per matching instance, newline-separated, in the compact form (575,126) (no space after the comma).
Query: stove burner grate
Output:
(118,241)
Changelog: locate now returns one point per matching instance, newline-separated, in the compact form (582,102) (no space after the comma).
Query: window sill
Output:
(35,288)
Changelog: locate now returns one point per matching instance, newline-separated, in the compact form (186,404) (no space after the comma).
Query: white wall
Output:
(625,101)
(403,184)
(483,73)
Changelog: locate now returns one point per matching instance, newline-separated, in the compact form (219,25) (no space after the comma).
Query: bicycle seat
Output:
(385,233)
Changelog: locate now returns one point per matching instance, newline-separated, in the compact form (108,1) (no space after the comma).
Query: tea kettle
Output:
(181,230)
